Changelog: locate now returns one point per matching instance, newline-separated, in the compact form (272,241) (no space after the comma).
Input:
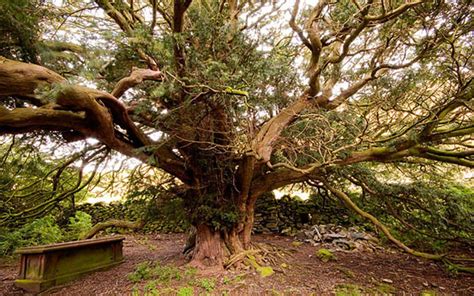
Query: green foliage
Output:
(151,289)
(346,271)
(38,232)
(34,184)
(80,224)
(348,290)
(427,211)
(162,215)
(385,289)
(226,77)
(19,27)
(218,218)
(150,270)
(207,284)
(142,272)
(163,278)
(428,293)
(190,272)
(185,291)
(43,231)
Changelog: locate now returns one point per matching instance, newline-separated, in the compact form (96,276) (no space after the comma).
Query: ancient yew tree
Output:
(237,98)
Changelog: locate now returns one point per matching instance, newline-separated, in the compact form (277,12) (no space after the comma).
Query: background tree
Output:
(237,98)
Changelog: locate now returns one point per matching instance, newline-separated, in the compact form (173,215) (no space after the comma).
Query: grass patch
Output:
(185,291)
(149,270)
(207,284)
(385,289)
(348,290)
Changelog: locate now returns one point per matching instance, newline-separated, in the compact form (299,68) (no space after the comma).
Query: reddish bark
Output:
(209,249)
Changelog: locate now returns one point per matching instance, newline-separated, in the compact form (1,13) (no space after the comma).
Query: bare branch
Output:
(384,17)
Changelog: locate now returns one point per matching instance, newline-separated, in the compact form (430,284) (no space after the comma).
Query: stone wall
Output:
(286,215)
(165,219)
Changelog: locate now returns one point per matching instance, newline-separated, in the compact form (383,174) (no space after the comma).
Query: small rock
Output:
(357,235)
(344,244)
(332,236)
(388,281)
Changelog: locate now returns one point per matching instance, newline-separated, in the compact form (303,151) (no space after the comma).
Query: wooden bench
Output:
(43,267)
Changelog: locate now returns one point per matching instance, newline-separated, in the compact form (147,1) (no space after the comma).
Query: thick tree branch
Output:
(88,111)
(180,7)
(438,115)
(112,223)
(136,77)
(384,17)
(23,79)
(296,28)
(26,119)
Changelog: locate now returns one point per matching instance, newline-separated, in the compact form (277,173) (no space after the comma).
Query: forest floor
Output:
(380,272)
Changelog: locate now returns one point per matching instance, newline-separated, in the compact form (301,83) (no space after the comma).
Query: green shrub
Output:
(38,232)
(142,272)
(79,225)
(207,284)
(9,241)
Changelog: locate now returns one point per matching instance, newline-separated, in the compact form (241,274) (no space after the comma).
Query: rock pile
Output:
(338,238)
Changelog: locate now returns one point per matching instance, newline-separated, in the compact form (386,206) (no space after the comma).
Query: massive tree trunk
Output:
(209,248)
(213,246)
(216,238)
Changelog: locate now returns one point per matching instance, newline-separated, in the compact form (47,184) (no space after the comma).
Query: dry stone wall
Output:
(285,216)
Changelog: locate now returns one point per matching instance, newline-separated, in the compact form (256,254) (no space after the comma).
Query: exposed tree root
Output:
(239,257)
(112,223)
(258,256)
(441,257)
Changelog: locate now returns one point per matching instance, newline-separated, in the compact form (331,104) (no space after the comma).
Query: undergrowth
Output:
(43,231)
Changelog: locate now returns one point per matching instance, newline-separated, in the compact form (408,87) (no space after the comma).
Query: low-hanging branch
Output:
(113,223)
(350,204)
(348,201)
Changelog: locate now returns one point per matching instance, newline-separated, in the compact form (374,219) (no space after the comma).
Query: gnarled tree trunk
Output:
(213,246)
(209,247)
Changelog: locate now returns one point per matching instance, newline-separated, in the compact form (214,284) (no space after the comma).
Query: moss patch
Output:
(348,290)
(325,255)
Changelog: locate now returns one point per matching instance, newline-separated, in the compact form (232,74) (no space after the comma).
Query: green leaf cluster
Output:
(43,231)
(38,232)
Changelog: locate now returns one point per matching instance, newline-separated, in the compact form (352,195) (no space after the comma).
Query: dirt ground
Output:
(381,272)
